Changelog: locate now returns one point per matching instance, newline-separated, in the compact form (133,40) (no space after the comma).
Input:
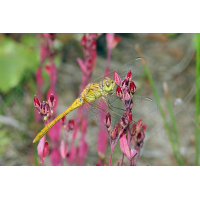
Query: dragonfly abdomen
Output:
(76,104)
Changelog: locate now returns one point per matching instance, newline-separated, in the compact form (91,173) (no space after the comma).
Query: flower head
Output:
(119,91)
(132,87)
(117,78)
(108,120)
(36,102)
(129,75)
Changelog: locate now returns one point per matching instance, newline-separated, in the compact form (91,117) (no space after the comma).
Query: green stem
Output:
(197,98)
(173,121)
(163,115)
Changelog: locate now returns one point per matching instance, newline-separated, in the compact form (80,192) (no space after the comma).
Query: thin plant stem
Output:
(197,98)
(163,115)
(122,159)
(173,121)
(111,154)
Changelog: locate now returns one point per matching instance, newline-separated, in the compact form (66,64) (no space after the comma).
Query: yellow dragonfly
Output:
(98,98)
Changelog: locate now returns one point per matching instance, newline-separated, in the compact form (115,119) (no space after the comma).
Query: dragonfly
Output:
(99,98)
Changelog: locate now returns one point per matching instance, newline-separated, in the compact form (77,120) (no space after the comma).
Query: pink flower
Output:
(70,124)
(125,148)
(108,120)
(117,78)
(114,132)
(51,100)
(132,87)
(126,95)
(125,83)
(129,75)
(63,120)
(43,149)
(37,102)
(119,91)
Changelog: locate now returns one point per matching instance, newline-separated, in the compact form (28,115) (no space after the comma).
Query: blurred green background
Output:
(170,58)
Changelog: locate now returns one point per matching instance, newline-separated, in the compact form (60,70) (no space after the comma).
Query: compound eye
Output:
(107,84)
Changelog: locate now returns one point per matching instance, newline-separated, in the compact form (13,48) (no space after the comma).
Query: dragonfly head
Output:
(109,84)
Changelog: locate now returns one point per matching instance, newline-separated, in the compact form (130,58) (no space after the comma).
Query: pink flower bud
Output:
(64,120)
(140,136)
(117,78)
(133,129)
(46,149)
(132,87)
(129,116)
(129,75)
(71,124)
(119,92)
(51,101)
(126,95)
(108,120)
(144,127)
(114,133)
(36,102)
(125,83)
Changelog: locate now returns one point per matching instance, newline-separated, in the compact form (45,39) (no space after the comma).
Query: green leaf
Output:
(172,34)
(16,60)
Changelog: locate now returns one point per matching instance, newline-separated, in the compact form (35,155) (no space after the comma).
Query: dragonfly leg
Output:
(107,103)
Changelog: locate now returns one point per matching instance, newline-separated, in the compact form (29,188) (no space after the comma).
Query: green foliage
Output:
(15,60)
(172,34)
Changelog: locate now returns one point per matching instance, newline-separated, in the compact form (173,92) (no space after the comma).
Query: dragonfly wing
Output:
(136,66)
(141,105)
(97,110)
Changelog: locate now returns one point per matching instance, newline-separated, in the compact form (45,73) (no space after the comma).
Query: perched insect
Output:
(99,98)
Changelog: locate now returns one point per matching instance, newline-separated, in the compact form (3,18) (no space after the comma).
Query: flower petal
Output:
(117,78)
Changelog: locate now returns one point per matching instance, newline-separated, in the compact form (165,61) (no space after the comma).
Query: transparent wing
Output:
(136,66)
(98,109)
(141,105)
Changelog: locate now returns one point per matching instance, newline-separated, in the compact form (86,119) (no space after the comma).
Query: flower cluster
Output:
(45,109)
(124,131)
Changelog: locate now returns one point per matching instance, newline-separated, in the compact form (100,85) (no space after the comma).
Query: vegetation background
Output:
(170,58)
